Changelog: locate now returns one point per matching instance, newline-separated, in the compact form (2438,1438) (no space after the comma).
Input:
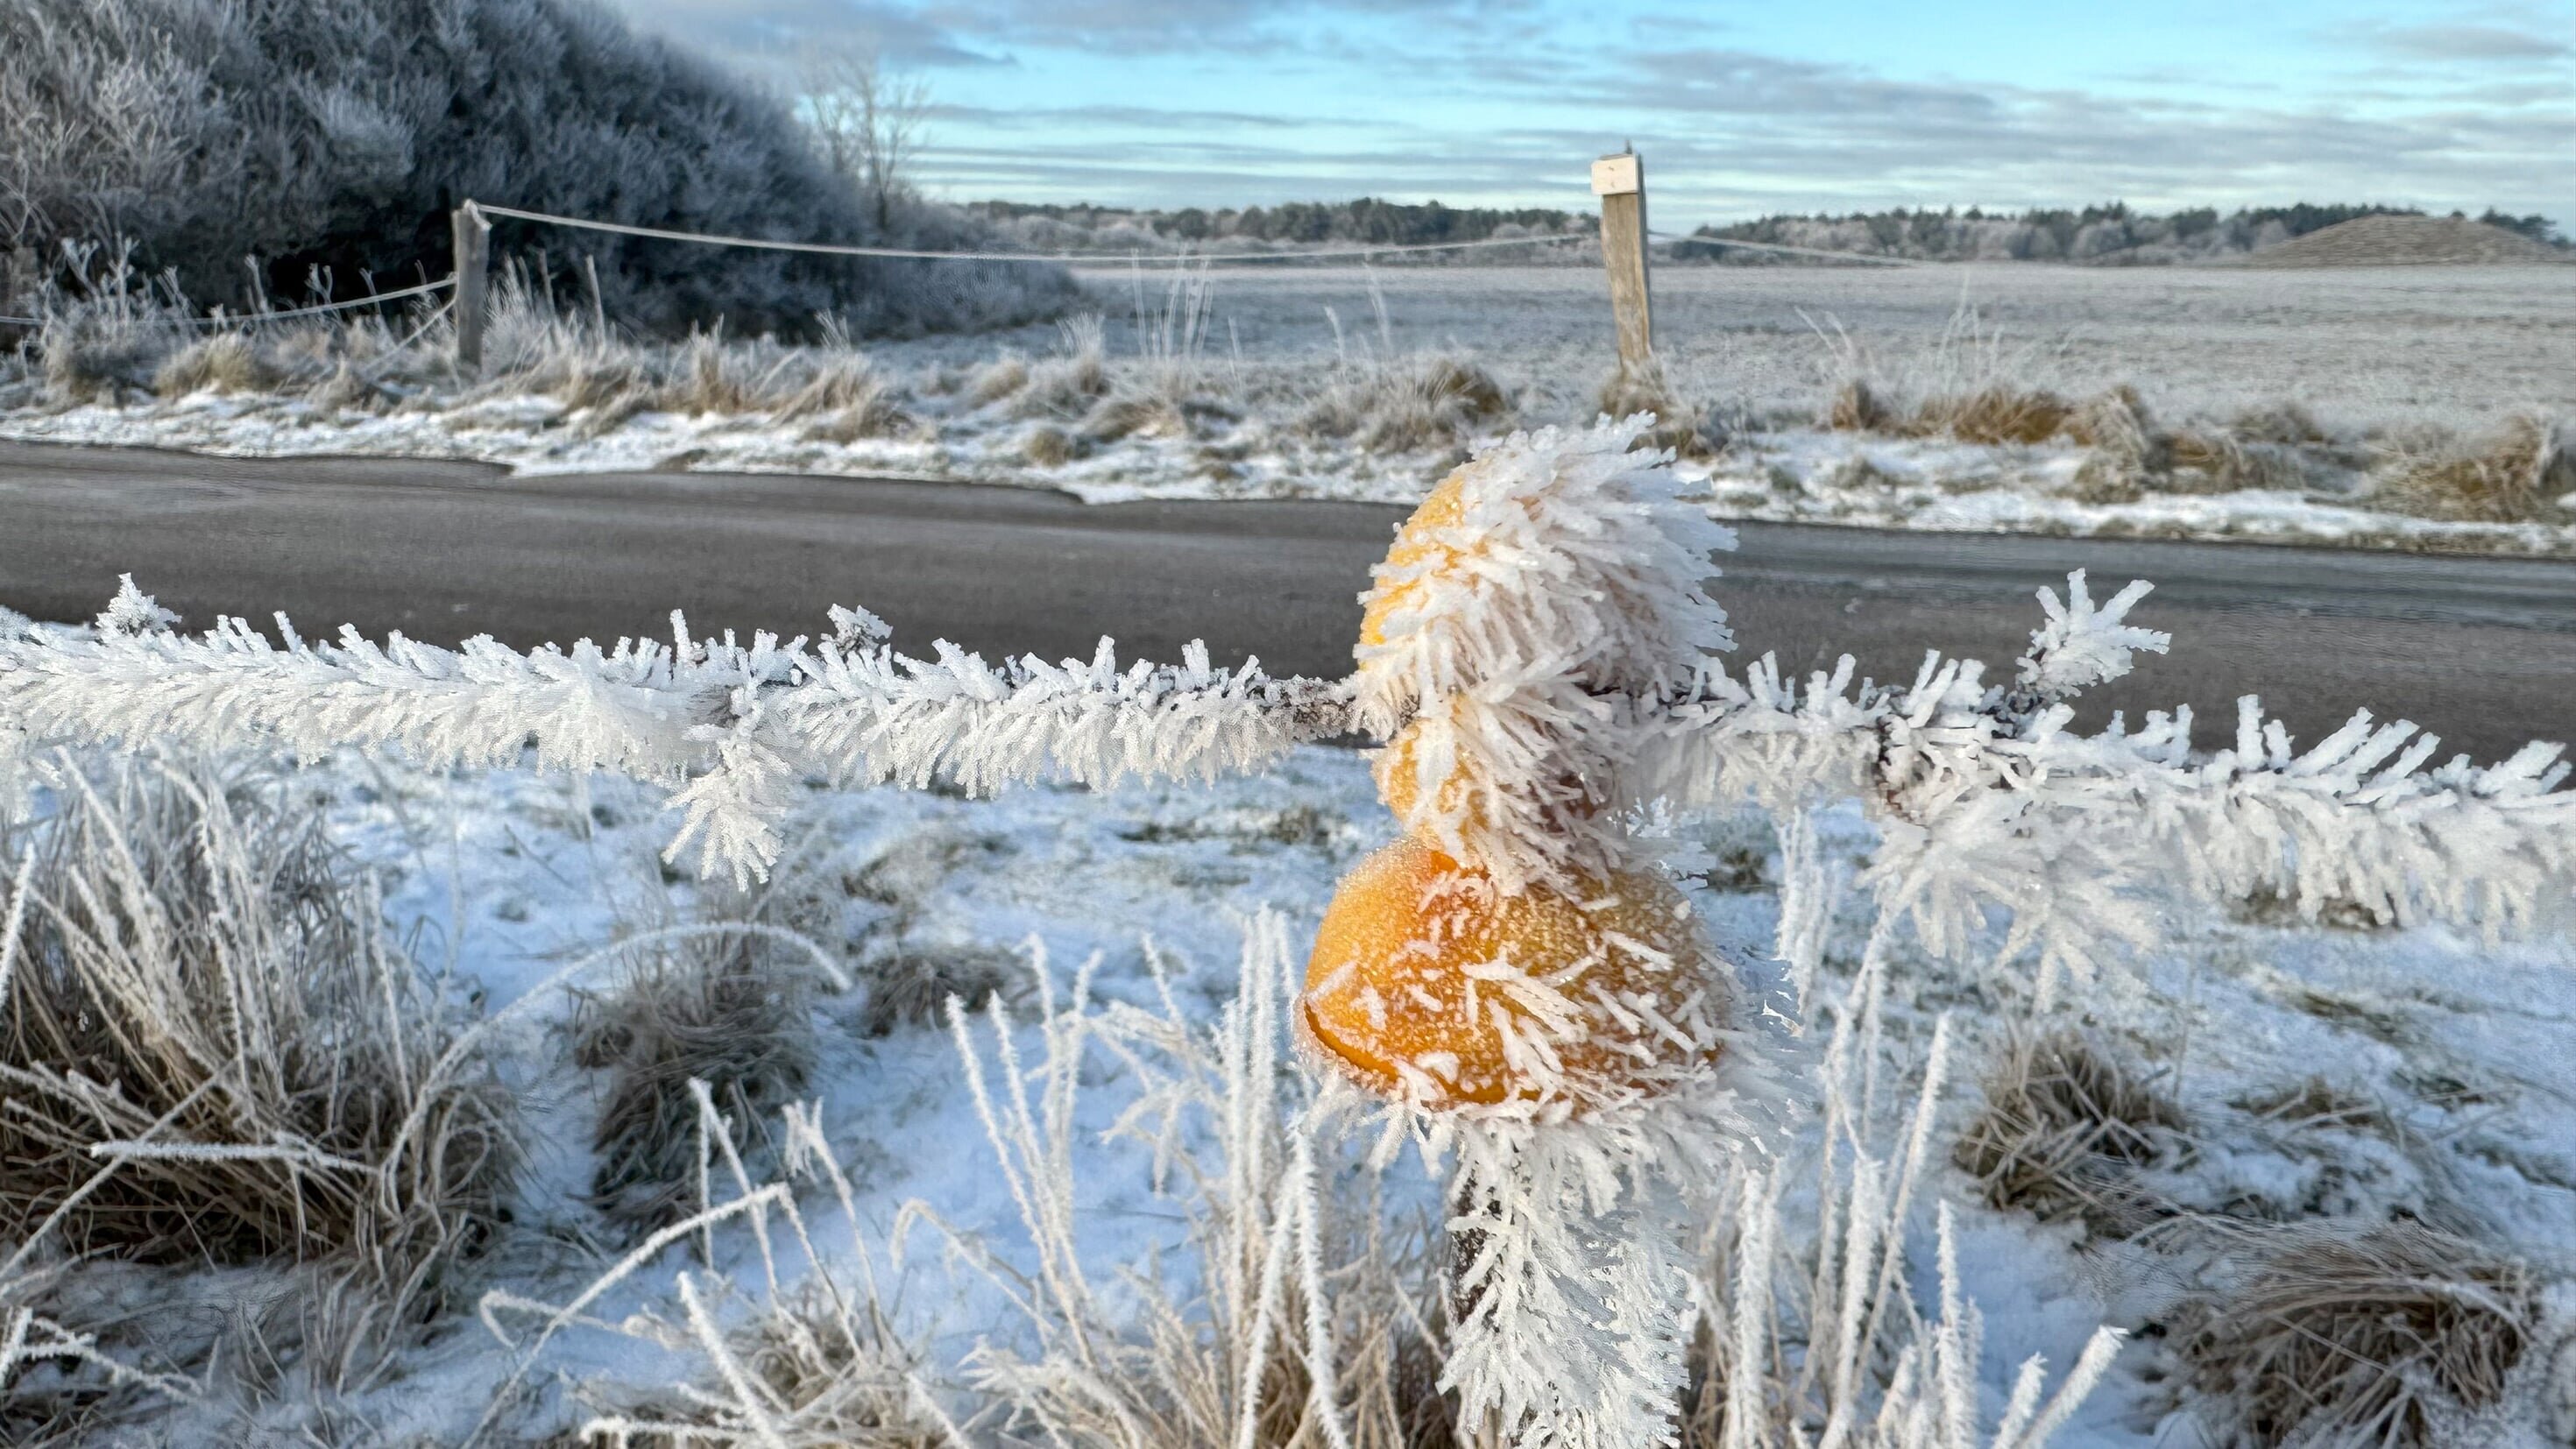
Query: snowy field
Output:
(2427,408)
(2357,346)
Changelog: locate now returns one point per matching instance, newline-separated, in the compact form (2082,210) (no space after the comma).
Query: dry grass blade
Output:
(2065,1123)
(2336,1335)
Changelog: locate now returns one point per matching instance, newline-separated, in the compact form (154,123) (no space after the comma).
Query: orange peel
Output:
(1398,769)
(1430,985)
(1445,507)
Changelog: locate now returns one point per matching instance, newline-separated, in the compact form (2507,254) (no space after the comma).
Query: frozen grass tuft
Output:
(1240,1335)
(2341,1335)
(706,376)
(810,1359)
(1429,402)
(1047,446)
(844,400)
(2518,473)
(1234,1334)
(1133,414)
(721,1009)
(911,985)
(2067,1120)
(997,379)
(91,356)
(1810,1331)
(1064,385)
(1994,414)
(1858,407)
(225,362)
(213,1052)
(1690,430)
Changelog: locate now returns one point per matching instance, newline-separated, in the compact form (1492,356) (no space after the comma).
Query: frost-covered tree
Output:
(1513,985)
(319,133)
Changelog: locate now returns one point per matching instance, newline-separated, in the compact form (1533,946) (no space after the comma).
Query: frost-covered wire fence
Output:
(1180,259)
(1990,798)
(472,223)
(1719,243)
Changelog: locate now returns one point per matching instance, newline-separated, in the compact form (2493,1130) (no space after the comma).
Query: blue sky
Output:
(1739,109)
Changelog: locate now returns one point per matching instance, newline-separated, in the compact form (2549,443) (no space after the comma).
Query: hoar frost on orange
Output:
(1517,948)
(1429,984)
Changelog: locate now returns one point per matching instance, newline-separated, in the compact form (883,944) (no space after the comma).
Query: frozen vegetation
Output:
(1991,1084)
(257,153)
(2415,408)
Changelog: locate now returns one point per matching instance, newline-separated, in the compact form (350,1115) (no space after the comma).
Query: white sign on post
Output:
(1616,176)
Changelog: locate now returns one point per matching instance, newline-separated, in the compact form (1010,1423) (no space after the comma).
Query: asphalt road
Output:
(2482,651)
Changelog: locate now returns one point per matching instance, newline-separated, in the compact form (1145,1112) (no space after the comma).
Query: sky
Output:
(1738,109)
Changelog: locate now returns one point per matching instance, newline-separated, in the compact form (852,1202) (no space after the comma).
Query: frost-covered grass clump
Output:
(215,1053)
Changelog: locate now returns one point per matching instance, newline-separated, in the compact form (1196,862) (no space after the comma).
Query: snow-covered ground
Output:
(2442,1058)
(1230,373)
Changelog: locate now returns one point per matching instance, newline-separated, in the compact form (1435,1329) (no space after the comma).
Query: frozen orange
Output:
(1415,544)
(1398,768)
(1430,985)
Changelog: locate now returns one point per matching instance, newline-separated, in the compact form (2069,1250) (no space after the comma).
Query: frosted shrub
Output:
(307,132)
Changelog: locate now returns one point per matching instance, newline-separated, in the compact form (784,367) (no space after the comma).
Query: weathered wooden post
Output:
(1620,182)
(473,263)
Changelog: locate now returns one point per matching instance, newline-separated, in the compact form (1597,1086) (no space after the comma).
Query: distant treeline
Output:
(2112,233)
(1367,222)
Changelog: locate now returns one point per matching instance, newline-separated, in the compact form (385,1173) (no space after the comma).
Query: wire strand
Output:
(247,318)
(1667,238)
(1094,258)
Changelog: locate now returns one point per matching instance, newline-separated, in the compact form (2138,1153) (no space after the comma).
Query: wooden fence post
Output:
(1620,182)
(473,263)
